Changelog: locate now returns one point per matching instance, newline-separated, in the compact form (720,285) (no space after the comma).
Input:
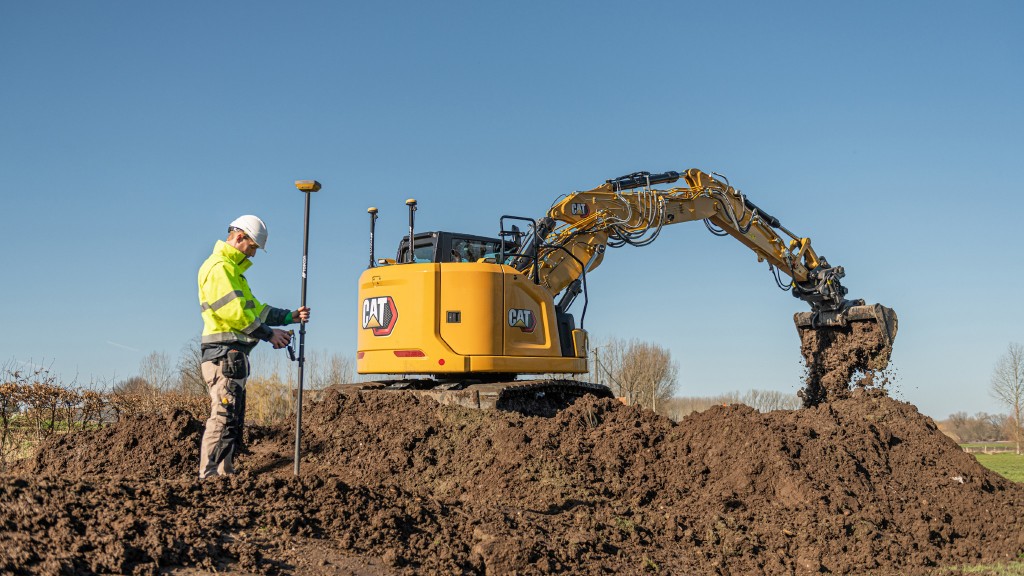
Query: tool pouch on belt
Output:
(235,365)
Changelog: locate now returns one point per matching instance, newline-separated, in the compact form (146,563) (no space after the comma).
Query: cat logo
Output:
(579,209)
(522,319)
(380,315)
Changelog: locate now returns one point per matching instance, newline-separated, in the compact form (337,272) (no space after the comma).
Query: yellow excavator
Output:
(461,317)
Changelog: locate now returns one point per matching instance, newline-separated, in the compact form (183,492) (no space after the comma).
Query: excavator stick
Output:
(856,311)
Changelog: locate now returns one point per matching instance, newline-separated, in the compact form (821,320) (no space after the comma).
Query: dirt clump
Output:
(835,356)
(399,484)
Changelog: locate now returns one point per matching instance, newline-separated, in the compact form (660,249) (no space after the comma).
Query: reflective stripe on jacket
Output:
(231,314)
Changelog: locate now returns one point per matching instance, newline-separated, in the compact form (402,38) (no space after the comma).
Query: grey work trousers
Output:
(224,427)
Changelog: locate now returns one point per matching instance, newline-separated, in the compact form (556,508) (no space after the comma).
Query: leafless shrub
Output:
(126,404)
(271,388)
(68,402)
(268,399)
(12,394)
(91,410)
(43,399)
(197,406)
(35,404)
(324,369)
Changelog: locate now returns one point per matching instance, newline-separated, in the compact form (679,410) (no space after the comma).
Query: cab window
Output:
(424,250)
(470,250)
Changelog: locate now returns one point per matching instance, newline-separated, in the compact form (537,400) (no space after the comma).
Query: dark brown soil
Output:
(836,358)
(399,484)
(156,446)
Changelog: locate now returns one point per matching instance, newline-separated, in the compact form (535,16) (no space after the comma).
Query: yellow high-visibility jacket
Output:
(232,316)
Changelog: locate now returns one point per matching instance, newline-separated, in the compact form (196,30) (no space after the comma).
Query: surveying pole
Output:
(306,187)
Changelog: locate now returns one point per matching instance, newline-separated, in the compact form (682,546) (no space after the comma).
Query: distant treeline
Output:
(981,427)
(760,400)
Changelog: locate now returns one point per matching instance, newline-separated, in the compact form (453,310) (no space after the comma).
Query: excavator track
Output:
(543,397)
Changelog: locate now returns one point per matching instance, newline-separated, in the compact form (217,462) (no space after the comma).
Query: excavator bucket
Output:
(883,316)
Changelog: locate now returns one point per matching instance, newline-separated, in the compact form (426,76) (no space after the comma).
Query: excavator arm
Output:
(572,239)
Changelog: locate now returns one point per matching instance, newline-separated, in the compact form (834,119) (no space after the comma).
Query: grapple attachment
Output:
(851,311)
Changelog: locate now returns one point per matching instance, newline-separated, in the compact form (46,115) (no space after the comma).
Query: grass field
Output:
(1008,465)
(1010,569)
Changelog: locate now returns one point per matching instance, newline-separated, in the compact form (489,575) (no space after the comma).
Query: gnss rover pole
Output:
(411,203)
(306,186)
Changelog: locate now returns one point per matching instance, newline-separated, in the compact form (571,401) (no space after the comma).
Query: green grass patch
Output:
(1008,465)
(1009,569)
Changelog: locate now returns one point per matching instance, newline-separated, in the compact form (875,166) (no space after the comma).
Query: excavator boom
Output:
(627,210)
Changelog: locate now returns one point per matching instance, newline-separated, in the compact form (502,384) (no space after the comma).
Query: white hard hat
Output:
(253,227)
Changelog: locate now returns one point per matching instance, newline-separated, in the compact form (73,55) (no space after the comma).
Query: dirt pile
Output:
(835,358)
(88,526)
(142,446)
(399,484)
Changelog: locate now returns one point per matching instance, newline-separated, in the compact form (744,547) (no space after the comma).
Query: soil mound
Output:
(860,484)
(141,446)
(57,526)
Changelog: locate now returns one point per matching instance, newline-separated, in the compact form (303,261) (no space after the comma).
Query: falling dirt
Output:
(837,358)
(393,484)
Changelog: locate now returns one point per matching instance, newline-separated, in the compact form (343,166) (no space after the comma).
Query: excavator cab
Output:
(451,307)
(449,247)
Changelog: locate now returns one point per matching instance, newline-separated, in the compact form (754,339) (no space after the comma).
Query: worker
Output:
(234,321)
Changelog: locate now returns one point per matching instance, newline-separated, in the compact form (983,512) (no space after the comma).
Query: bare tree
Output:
(1008,386)
(640,372)
(190,369)
(156,370)
(605,363)
(607,366)
(268,399)
(134,385)
(770,400)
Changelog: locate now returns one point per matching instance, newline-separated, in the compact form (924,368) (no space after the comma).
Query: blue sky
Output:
(890,133)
